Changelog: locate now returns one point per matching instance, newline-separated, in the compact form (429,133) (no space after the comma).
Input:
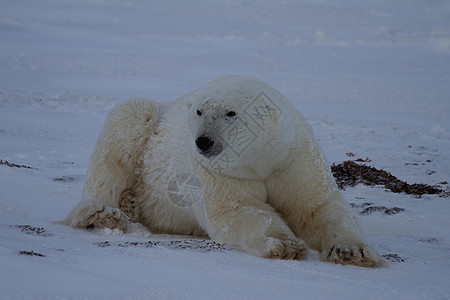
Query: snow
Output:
(372,77)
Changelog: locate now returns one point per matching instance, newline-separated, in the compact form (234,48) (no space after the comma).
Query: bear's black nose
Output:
(204,143)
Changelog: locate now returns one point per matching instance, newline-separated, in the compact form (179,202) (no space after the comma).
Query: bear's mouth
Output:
(207,146)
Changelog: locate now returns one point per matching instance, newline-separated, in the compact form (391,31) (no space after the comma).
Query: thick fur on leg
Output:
(342,241)
(113,164)
(238,215)
(315,210)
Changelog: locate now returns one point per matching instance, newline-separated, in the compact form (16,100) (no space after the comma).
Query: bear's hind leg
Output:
(113,164)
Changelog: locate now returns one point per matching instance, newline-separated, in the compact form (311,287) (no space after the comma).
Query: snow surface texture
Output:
(371,77)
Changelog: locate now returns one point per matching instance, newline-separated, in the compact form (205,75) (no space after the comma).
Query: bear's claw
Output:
(285,249)
(361,255)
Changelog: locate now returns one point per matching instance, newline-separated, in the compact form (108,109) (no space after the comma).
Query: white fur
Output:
(263,186)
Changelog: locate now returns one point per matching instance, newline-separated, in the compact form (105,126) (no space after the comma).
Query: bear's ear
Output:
(189,101)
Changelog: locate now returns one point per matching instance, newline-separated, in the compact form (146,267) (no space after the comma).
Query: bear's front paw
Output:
(279,249)
(358,255)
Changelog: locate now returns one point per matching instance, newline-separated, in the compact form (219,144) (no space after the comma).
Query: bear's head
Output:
(240,127)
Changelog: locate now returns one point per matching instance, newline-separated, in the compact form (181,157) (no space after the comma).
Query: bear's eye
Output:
(231,114)
(199,112)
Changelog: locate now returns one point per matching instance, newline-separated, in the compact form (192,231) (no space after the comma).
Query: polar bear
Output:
(234,161)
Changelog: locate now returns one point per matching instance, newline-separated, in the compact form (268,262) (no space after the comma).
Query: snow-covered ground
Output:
(372,77)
